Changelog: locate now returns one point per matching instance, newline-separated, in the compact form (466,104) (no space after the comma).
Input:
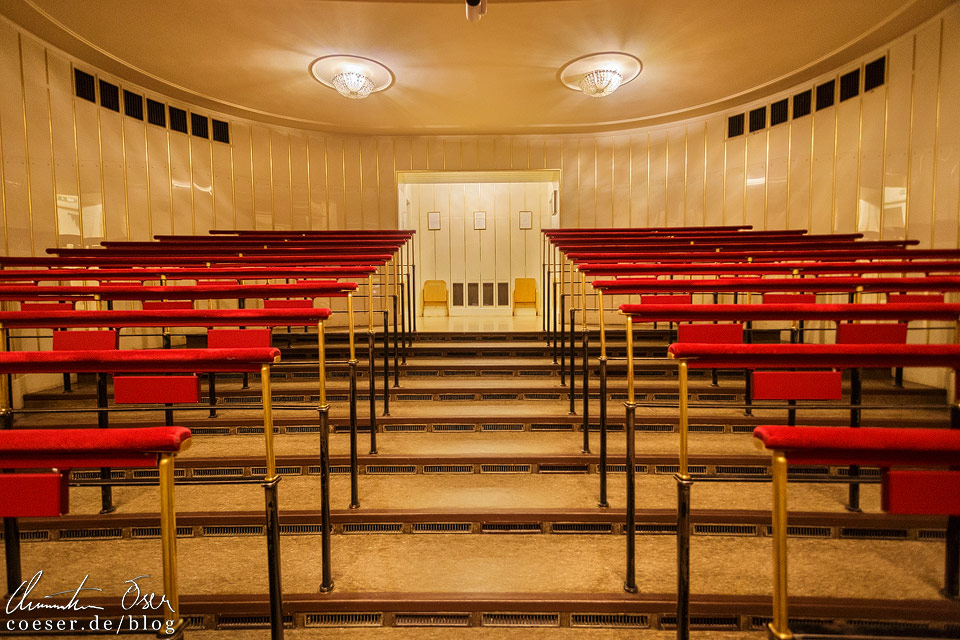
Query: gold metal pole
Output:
(684,418)
(779,628)
(630,390)
(268,420)
(857,294)
(168,538)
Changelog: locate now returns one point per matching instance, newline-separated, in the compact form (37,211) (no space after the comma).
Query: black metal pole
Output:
(273,557)
(11,527)
(585,373)
(242,304)
(630,526)
(326,582)
(748,374)
(603,433)
(67,388)
(856,388)
(372,375)
(386,364)
(212,387)
(563,345)
(546,299)
(103,422)
(554,318)
(683,557)
(413,291)
(354,466)
(573,374)
(396,346)
(403,330)
(951,572)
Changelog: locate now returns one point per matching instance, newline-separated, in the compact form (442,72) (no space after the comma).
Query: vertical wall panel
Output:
(487,153)
(223,188)
(441,203)
(621,181)
(798,201)
(318,182)
(896,156)
(923,134)
(848,143)
(604,182)
(946,209)
(135,158)
(873,111)
(114,206)
(486,237)
(242,166)
(161,211)
(821,188)
(262,187)
(65,164)
(181,183)
(693,189)
(777,167)
(202,180)
(351,178)
(657,179)
(386,185)
(756,180)
(369,178)
(91,193)
(519,152)
(676,166)
(336,218)
(469,152)
(733,187)
(570,195)
(459,261)
(501,152)
(587,192)
(42,207)
(713,189)
(298,182)
(13,145)
(451,155)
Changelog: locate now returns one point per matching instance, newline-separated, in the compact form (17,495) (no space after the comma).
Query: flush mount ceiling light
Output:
(600,74)
(352,76)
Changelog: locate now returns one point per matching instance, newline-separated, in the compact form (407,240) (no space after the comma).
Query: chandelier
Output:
(353,84)
(600,82)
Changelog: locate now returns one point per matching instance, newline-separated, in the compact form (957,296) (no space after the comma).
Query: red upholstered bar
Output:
(797,385)
(835,312)
(874,446)
(238,338)
(901,298)
(807,356)
(621,269)
(207,275)
(166,305)
(172,318)
(84,340)
(921,492)
(716,333)
(29,495)
(806,285)
(155,389)
(287,304)
(667,299)
(46,306)
(701,254)
(872,333)
(86,448)
(316,289)
(195,260)
(136,360)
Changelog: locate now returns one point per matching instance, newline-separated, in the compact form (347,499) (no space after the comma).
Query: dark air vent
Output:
(199,126)
(178,119)
(778,112)
(735,126)
(873,74)
(825,94)
(801,104)
(133,105)
(488,294)
(221,131)
(473,294)
(503,294)
(156,113)
(109,96)
(758,119)
(850,85)
(85,86)
(457,294)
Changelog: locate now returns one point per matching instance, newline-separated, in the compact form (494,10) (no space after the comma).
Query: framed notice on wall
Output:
(433,221)
(526,219)
(480,220)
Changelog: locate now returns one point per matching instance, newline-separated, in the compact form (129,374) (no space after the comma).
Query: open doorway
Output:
(478,238)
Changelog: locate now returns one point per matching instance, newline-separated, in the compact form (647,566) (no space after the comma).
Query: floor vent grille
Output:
(931,534)
(551,426)
(675,468)
(541,396)
(423,374)
(450,428)
(303,429)
(725,529)
(441,527)
(90,534)
(432,620)
(520,619)
(300,529)
(800,531)
(499,396)
(808,471)
(582,527)
(467,373)
(501,427)
(706,428)
(417,396)
(154,532)
(384,469)
(622,468)
(510,527)
(284,471)
(666,428)
(864,472)
(505,468)
(146,474)
(404,428)
(873,534)
(715,397)
(656,529)
(217,472)
(741,470)
(211,431)
(610,620)
(742,428)
(250,622)
(372,527)
(448,468)
(32,536)
(535,373)
(95,475)
(457,396)
(340,468)
(717,623)
(564,468)
(234,530)
(759,623)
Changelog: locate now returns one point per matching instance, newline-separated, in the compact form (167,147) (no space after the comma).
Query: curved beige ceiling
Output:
(250,58)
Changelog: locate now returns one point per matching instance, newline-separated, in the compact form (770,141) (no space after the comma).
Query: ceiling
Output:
(250,58)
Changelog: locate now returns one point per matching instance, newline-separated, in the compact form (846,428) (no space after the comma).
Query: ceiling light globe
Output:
(353,84)
(600,82)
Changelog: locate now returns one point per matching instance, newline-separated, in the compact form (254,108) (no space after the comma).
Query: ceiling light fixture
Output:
(600,74)
(352,76)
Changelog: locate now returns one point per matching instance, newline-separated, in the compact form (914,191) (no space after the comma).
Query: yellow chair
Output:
(525,295)
(434,296)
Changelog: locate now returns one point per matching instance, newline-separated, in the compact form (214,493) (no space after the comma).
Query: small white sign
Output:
(433,221)
(526,219)
(480,220)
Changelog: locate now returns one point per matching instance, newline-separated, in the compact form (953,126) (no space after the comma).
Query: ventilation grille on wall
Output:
(132,105)
(109,96)
(87,86)
(873,74)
